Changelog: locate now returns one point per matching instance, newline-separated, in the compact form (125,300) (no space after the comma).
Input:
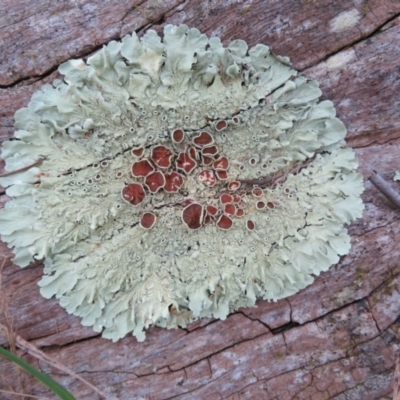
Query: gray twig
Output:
(384,187)
(8,173)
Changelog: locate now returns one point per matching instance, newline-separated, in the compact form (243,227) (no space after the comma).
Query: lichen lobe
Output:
(178,179)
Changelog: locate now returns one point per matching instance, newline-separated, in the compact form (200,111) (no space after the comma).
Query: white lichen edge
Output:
(397,176)
(99,262)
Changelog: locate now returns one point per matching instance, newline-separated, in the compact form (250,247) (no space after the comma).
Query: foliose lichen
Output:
(168,179)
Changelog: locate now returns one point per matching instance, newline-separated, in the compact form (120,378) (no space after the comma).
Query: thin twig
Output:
(257,182)
(24,395)
(35,352)
(10,337)
(22,169)
(279,177)
(3,306)
(15,340)
(396,384)
(384,187)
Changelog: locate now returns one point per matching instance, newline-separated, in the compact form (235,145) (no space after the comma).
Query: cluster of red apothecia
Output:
(165,170)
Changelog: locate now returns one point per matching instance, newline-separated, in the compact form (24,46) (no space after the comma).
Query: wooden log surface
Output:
(336,339)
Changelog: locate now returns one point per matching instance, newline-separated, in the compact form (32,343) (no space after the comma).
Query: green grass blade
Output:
(55,387)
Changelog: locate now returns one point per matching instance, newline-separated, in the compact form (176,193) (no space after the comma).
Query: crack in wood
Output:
(377,362)
(374,33)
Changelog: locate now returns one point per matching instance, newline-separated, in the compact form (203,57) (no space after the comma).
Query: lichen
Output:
(397,176)
(176,179)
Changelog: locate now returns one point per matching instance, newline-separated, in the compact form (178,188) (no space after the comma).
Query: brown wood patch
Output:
(335,339)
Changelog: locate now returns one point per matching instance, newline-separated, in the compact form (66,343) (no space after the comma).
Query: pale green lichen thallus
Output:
(178,179)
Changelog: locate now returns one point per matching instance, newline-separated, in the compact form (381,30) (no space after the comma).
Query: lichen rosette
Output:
(165,180)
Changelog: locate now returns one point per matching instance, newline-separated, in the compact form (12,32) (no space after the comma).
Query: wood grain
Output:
(336,339)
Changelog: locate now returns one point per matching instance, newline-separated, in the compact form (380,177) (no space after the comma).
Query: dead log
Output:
(335,339)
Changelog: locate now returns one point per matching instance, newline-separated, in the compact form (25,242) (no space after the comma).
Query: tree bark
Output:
(336,339)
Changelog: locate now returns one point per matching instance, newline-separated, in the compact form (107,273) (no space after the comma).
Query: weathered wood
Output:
(396,384)
(335,339)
